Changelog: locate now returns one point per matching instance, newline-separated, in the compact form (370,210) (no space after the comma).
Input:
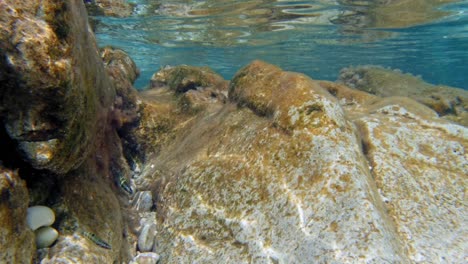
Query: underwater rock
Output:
(120,63)
(17,240)
(125,113)
(449,102)
(282,179)
(114,8)
(419,166)
(184,78)
(45,236)
(418,162)
(295,170)
(143,201)
(88,205)
(60,110)
(145,258)
(39,216)
(196,86)
(50,71)
(146,238)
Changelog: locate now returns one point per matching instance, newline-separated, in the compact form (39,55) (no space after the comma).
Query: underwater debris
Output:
(96,240)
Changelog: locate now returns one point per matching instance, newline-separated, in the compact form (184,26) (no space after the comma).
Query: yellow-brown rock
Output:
(292,170)
(55,93)
(16,239)
(270,182)
(449,102)
(88,204)
(115,8)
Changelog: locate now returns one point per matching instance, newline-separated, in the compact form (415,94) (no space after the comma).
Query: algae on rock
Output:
(294,170)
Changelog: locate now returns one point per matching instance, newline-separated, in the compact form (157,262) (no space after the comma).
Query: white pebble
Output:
(145,258)
(45,236)
(38,216)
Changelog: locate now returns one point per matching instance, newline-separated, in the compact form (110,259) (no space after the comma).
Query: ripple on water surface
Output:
(422,37)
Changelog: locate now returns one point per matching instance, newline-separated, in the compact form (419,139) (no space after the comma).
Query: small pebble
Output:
(146,238)
(143,201)
(145,258)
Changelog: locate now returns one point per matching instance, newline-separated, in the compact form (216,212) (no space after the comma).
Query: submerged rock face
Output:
(87,205)
(16,240)
(115,8)
(54,89)
(280,175)
(59,108)
(450,103)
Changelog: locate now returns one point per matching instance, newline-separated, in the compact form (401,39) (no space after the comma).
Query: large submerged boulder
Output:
(55,93)
(292,170)
(60,110)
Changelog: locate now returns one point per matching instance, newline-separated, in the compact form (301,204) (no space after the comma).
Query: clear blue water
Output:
(317,38)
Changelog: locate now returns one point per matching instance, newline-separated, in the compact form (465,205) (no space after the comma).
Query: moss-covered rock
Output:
(114,8)
(55,92)
(289,169)
(16,239)
(449,102)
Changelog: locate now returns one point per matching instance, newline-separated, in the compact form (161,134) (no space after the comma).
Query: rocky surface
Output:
(449,102)
(53,97)
(295,170)
(16,240)
(273,167)
(61,116)
(114,8)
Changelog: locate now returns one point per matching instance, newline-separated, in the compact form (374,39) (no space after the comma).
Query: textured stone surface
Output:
(420,167)
(146,237)
(419,163)
(450,103)
(59,108)
(292,170)
(115,8)
(87,204)
(145,258)
(283,180)
(54,89)
(175,96)
(143,201)
(16,239)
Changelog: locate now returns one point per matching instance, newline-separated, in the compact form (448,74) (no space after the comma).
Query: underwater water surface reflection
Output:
(422,37)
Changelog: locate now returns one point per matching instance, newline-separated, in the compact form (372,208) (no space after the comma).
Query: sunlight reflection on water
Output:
(314,37)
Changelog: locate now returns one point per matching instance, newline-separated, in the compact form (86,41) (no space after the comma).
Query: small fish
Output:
(125,185)
(96,240)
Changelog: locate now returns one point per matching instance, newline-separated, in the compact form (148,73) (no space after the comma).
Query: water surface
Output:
(423,37)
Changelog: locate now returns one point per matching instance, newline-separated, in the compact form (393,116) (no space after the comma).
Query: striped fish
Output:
(96,240)
(125,185)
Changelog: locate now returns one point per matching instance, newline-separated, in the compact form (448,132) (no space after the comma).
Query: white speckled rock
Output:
(45,236)
(38,216)
(283,176)
(145,258)
(282,181)
(420,168)
(143,201)
(146,237)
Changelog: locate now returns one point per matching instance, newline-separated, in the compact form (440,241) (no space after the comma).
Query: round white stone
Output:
(45,236)
(38,216)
